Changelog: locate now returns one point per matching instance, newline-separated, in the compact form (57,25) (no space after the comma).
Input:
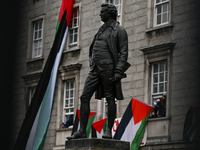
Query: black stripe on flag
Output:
(41,88)
(124,122)
(94,133)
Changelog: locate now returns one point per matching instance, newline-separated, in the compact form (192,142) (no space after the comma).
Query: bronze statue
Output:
(108,55)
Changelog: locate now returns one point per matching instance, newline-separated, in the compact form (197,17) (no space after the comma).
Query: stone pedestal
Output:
(96,144)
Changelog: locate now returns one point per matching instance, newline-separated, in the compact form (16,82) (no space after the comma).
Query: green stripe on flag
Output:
(43,138)
(89,124)
(104,127)
(135,145)
(57,27)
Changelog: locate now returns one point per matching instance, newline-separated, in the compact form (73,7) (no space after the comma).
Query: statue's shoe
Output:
(107,135)
(77,135)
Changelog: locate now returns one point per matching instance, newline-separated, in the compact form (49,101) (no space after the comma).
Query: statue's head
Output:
(108,11)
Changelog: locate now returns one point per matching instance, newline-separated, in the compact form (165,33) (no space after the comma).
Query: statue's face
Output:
(104,13)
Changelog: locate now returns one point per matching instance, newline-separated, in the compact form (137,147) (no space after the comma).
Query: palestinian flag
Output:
(99,128)
(191,131)
(77,122)
(133,123)
(35,125)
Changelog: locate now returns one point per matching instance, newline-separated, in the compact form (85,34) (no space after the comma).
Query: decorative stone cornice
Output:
(32,76)
(158,48)
(158,51)
(71,67)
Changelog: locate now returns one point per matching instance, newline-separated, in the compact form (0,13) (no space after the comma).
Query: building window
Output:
(159,77)
(68,104)
(31,93)
(72,40)
(157,83)
(118,4)
(37,39)
(158,88)
(105,107)
(161,12)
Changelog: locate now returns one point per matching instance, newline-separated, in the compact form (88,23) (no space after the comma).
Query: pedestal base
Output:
(96,144)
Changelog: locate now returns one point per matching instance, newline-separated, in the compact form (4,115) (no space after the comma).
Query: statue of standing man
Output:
(108,55)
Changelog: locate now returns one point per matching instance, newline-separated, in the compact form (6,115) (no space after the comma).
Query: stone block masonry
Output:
(96,144)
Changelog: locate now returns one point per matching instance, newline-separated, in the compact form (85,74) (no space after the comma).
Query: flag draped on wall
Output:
(133,123)
(76,125)
(99,128)
(35,124)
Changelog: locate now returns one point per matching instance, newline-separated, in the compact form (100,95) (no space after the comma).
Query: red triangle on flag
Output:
(68,6)
(91,114)
(140,110)
(78,112)
(98,126)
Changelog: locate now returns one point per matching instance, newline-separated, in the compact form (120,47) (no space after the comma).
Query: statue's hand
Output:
(117,76)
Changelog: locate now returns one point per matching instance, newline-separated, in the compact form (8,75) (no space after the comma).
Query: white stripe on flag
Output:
(32,133)
(130,132)
(99,135)
(45,113)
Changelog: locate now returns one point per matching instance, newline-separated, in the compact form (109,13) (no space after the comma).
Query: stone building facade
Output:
(163,38)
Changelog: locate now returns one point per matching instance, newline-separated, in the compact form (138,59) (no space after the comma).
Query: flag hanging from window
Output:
(99,128)
(89,124)
(35,125)
(133,123)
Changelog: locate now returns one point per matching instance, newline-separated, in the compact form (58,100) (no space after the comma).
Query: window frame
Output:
(156,14)
(153,54)
(75,45)
(40,39)
(151,27)
(67,73)
(30,37)
(73,28)
(64,100)
(31,82)
(120,15)
(158,93)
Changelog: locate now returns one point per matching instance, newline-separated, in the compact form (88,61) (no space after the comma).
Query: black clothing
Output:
(117,45)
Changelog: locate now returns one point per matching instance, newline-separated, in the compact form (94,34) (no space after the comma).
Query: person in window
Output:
(155,110)
(69,122)
(162,106)
(108,55)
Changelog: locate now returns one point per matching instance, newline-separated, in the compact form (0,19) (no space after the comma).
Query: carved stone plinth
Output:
(96,144)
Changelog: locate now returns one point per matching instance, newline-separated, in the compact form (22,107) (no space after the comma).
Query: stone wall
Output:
(185,70)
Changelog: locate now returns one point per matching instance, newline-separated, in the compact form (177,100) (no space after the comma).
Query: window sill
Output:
(158,119)
(34,59)
(64,129)
(159,27)
(77,48)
